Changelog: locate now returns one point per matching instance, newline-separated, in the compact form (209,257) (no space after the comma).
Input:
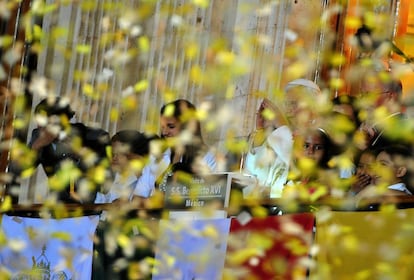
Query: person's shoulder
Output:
(35,132)
(282,130)
(97,136)
(93,137)
(78,125)
(95,132)
(78,128)
(90,132)
(281,138)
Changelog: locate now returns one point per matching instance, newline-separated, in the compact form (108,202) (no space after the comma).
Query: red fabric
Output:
(291,237)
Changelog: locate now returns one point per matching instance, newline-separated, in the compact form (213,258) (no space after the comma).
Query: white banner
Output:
(191,249)
(48,248)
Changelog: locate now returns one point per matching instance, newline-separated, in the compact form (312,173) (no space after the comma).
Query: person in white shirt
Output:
(299,101)
(132,167)
(185,148)
(391,173)
(134,182)
(269,158)
(269,155)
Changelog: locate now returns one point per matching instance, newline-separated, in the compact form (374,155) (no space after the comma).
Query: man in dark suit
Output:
(70,153)
(386,129)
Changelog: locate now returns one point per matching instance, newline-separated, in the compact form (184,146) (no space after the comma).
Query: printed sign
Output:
(187,191)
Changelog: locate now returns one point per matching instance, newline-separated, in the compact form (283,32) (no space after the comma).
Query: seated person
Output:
(387,112)
(185,149)
(363,176)
(391,173)
(134,181)
(270,148)
(71,154)
(299,104)
(310,170)
(130,163)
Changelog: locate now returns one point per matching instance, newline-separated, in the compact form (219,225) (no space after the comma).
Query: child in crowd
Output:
(134,182)
(131,166)
(310,172)
(363,176)
(392,174)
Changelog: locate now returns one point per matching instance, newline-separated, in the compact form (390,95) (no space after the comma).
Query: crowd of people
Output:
(305,146)
(85,165)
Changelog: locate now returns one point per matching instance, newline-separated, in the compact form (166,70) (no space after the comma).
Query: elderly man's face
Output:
(300,106)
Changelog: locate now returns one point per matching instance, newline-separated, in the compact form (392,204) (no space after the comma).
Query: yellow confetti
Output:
(61,235)
(191,51)
(296,70)
(336,83)
(123,240)
(318,193)
(259,211)
(3,239)
(370,19)
(99,173)
(352,22)
(83,49)
(59,32)
(88,5)
(88,89)
(141,86)
(129,102)
(297,247)
(240,256)
(201,3)
(40,8)
(351,243)
(144,44)
(268,114)
(114,114)
(6,41)
(226,58)
(6,204)
(211,232)
(196,74)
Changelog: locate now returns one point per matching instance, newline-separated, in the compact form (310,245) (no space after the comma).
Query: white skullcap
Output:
(304,83)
